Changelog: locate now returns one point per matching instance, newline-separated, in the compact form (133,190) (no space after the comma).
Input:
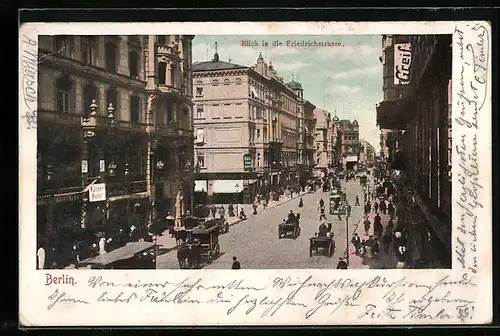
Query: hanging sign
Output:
(85,167)
(247,162)
(97,192)
(102,166)
(402,63)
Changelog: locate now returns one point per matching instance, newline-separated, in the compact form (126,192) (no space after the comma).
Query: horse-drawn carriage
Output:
(326,244)
(289,230)
(221,223)
(202,244)
(337,203)
(290,227)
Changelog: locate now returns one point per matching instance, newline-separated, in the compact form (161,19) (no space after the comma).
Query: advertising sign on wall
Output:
(247,162)
(402,63)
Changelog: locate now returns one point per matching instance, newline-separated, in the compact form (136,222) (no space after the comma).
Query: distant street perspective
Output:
(208,152)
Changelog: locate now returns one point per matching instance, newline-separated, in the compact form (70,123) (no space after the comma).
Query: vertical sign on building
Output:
(247,162)
(402,63)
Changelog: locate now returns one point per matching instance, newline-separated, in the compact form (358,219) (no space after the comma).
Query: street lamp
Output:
(347,238)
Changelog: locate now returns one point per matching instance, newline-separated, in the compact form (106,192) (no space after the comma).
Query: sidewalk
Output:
(387,259)
(166,242)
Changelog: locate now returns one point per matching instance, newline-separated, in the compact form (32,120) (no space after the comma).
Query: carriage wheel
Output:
(279,234)
(209,257)
(310,251)
(216,249)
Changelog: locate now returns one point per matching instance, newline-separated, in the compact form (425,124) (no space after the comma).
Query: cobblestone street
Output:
(255,241)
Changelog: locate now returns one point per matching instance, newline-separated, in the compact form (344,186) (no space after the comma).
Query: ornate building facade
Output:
(97,126)
(246,122)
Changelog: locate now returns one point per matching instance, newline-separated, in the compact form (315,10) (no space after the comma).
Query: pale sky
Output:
(346,78)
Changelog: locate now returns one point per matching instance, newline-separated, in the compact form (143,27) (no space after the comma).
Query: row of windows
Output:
(65,91)
(64,45)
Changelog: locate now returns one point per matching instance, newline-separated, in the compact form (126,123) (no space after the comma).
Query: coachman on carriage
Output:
(322,241)
(289,227)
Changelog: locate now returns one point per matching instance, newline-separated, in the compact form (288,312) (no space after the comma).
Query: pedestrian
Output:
(41,257)
(230,210)
(391,209)
(386,241)
(254,206)
(236,264)
(321,203)
(102,245)
(264,203)
(222,211)
(357,201)
(322,213)
(339,216)
(301,203)
(214,210)
(375,206)
(367,209)
(348,210)
(369,246)
(342,264)
(356,241)
(376,247)
(367,225)
(383,207)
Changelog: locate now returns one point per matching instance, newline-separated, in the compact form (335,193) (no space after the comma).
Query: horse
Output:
(189,256)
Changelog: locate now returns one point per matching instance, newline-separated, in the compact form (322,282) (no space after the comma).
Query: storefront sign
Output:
(102,166)
(97,192)
(402,63)
(247,162)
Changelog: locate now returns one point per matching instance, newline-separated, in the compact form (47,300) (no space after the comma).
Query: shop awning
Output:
(396,114)
(227,186)
(200,186)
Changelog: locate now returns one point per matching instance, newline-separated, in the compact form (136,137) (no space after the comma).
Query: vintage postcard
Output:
(292,173)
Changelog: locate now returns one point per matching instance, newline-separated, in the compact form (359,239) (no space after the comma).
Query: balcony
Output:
(163,49)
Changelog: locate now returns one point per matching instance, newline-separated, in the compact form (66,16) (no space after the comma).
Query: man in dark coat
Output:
(236,264)
(214,210)
(342,264)
(357,201)
(356,241)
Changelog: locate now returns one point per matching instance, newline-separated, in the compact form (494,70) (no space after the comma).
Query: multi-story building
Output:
(367,152)
(246,122)
(97,127)
(307,138)
(396,91)
(350,146)
(322,140)
(420,122)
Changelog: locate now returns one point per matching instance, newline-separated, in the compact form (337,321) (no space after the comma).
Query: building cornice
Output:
(219,73)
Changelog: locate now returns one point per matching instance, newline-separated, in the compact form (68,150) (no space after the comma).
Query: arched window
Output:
(111,57)
(89,94)
(162,73)
(135,109)
(133,64)
(215,82)
(88,50)
(64,85)
(112,97)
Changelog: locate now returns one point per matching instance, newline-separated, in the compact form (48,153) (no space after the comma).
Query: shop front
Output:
(229,191)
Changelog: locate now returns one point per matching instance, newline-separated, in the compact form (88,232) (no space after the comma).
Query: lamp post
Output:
(88,127)
(197,170)
(347,238)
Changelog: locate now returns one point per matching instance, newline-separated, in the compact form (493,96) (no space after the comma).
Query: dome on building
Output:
(355,122)
(294,85)
(336,119)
